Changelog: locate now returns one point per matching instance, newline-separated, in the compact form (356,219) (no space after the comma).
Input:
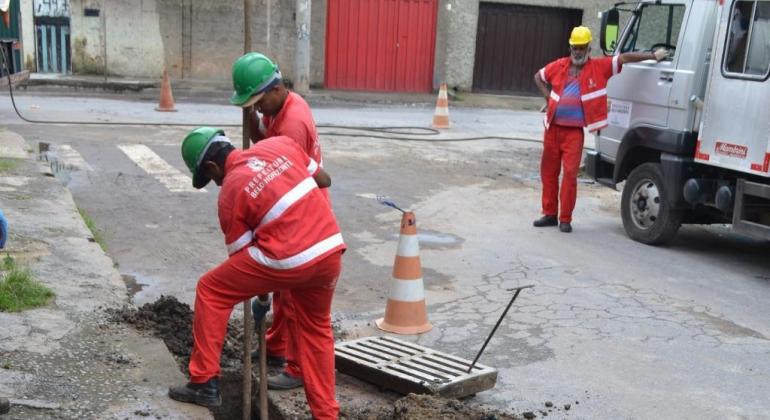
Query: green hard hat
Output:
(194,148)
(253,74)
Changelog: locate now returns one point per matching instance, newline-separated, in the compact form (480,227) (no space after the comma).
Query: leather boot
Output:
(205,394)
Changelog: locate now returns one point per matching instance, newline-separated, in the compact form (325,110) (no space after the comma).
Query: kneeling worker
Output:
(281,235)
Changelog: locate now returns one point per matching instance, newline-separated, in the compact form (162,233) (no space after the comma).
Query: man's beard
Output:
(579,62)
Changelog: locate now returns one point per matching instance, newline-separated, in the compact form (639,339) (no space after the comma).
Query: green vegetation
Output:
(8,164)
(19,290)
(95,231)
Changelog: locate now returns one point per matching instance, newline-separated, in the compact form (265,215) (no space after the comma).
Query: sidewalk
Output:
(66,360)
(213,91)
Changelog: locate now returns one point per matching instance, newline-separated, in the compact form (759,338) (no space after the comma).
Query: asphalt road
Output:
(613,328)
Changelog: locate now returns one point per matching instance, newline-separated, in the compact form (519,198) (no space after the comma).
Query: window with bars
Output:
(747,51)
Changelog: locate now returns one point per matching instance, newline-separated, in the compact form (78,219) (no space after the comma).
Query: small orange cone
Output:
(405,312)
(166,103)
(441,116)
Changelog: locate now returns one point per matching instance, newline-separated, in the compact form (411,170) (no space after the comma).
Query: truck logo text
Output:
(732,150)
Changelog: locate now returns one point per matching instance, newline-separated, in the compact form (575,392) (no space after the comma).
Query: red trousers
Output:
(310,289)
(562,147)
(278,340)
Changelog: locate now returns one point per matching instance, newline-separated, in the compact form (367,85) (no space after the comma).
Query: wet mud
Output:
(171,321)
(427,407)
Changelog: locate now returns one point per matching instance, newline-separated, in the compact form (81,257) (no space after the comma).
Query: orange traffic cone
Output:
(441,116)
(166,103)
(405,312)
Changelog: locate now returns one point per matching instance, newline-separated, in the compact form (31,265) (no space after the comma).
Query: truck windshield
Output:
(656,26)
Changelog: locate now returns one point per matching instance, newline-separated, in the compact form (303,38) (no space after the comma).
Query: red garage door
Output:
(380,45)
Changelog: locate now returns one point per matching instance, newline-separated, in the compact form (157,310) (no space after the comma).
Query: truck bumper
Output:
(599,170)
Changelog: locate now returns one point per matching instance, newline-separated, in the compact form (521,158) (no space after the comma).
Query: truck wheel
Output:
(647,215)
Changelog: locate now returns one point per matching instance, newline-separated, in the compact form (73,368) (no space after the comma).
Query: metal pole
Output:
(267,28)
(104,36)
(262,370)
(247,319)
(518,290)
(302,56)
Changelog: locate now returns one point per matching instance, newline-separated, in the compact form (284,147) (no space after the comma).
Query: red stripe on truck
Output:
(762,167)
(698,154)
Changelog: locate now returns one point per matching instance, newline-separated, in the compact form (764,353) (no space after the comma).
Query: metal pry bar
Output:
(499,321)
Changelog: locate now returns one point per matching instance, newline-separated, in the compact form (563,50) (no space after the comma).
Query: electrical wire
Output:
(397,133)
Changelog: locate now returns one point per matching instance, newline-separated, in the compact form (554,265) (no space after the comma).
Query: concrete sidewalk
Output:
(217,92)
(66,360)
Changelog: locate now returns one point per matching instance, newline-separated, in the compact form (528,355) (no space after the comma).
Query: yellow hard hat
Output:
(581,35)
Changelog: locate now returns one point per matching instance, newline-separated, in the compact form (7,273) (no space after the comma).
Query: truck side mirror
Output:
(609,34)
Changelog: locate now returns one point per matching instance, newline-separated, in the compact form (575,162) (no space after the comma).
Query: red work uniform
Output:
(563,140)
(281,235)
(296,121)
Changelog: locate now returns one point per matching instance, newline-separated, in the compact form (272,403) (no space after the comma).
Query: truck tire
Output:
(647,215)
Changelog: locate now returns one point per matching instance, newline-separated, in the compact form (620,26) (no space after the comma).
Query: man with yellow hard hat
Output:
(575,89)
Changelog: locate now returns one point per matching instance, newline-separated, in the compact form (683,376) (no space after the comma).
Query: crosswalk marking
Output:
(154,165)
(71,157)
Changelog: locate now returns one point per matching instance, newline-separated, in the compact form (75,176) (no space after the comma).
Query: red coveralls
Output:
(296,121)
(281,235)
(564,145)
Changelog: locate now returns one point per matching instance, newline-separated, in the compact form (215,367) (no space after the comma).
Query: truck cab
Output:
(688,136)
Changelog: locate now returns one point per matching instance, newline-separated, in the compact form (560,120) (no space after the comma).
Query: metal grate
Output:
(410,368)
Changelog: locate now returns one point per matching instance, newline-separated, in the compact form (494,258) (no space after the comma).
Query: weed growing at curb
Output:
(8,164)
(19,290)
(95,231)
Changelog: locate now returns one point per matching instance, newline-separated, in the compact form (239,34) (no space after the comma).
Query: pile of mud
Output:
(171,321)
(427,407)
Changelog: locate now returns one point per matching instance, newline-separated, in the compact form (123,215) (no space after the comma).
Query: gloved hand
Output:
(3,229)
(661,54)
(259,307)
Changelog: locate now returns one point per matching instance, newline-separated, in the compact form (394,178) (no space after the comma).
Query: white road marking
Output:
(71,157)
(154,165)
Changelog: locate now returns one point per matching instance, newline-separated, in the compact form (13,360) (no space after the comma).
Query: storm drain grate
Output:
(405,367)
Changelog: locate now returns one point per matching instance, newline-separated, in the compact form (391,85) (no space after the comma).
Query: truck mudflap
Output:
(751,215)
(677,170)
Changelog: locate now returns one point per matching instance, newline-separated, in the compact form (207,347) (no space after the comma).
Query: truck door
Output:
(641,93)
(735,131)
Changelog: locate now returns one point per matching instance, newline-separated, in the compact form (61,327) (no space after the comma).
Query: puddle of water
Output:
(439,239)
(432,239)
(136,285)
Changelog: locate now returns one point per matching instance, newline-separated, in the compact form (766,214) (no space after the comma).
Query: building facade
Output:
(365,45)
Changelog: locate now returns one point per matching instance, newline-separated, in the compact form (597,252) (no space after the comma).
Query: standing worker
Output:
(258,87)
(281,235)
(575,89)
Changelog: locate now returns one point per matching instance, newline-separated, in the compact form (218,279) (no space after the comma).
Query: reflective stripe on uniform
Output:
(291,197)
(597,125)
(303,257)
(239,243)
(593,95)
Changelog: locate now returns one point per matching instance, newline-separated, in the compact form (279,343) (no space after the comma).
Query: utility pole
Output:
(302,56)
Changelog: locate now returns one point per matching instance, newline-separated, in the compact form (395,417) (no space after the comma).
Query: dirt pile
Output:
(171,321)
(415,406)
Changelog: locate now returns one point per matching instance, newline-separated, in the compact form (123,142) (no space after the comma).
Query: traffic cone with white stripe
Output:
(441,115)
(405,312)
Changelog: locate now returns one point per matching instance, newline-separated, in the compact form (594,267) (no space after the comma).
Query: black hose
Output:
(398,132)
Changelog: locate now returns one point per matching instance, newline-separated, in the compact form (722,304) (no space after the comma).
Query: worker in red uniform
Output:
(281,235)
(575,89)
(258,88)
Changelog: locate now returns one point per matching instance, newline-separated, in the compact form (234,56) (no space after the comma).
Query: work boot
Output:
(5,405)
(283,381)
(545,221)
(275,361)
(565,227)
(205,394)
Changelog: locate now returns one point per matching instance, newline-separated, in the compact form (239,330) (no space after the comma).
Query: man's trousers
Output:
(562,148)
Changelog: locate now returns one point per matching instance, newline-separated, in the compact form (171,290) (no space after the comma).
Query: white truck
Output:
(690,136)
